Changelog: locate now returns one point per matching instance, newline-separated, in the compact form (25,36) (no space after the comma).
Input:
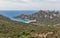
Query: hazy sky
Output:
(29,4)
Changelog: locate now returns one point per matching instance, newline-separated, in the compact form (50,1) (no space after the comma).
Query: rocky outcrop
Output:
(42,16)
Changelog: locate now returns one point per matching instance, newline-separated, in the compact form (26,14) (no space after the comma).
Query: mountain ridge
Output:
(42,16)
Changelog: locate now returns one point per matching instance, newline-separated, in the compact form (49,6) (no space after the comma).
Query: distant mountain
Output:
(43,17)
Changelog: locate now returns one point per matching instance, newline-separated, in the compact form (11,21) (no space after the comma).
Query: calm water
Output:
(10,14)
(16,13)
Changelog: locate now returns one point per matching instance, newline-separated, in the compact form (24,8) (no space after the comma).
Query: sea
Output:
(12,13)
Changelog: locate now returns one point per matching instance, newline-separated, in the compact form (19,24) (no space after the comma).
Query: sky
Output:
(29,4)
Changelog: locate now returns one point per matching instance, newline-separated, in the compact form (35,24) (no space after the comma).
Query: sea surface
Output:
(12,13)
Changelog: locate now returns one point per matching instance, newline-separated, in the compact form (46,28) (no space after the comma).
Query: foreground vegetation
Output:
(10,29)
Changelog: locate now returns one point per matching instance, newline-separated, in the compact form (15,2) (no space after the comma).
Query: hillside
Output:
(3,18)
(13,29)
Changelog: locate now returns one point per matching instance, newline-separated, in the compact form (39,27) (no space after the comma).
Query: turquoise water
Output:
(24,21)
(20,20)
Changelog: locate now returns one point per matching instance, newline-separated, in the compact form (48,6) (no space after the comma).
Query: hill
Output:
(13,29)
